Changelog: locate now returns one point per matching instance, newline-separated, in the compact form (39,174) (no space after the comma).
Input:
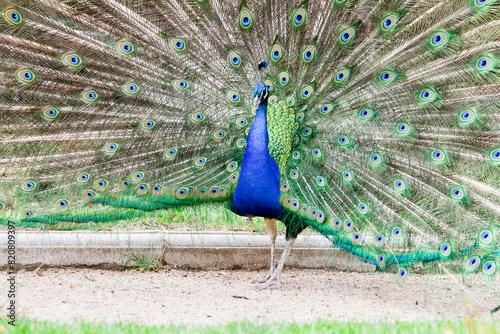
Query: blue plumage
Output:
(258,190)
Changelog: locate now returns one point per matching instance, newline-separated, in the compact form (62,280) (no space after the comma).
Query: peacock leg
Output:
(276,275)
(273,233)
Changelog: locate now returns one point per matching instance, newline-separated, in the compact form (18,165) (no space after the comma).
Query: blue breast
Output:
(258,189)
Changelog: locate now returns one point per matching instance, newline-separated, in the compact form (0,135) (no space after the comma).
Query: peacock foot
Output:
(263,280)
(274,278)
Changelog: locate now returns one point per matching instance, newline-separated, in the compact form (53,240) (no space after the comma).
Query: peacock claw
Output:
(268,281)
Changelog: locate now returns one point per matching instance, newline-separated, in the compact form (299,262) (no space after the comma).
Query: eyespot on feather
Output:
(170,153)
(137,176)
(307,92)
(88,195)
(62,204)
(27,213)
(29,186)
(157,190)
(148,124)
(233,96)
(245,18)
(12,16)
(89,96)
(25,76)
(241,143)
(100,184)
(389,22)
(299,17)
(111,148)
(142,189)
(201,161)
(309,53)
(178,44)
(347,35)
(276,52)
(181,85)
(125,47)
(198,117)
(234,59)
(233,178)
(131,89)
(232,166)
(83,177)
(341,76)
(72,59)
(50,113)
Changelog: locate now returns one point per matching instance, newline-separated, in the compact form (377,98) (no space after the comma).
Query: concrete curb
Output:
(201,250)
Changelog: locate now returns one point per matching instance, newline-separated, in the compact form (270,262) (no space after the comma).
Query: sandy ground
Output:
(201,297)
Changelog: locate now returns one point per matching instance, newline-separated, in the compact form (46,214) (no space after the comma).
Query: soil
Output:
(172,296)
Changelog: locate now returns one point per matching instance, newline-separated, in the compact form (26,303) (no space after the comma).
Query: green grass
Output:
(210,217)
(320,326)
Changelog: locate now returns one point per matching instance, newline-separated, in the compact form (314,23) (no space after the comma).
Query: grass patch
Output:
(145,262)
(209,217)
(320,326)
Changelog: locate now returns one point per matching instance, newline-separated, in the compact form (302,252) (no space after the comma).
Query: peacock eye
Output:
(427,95)
(481,3)
(366,114)
(284,78)
(200,161)
(170,153)
(89,96)
(50,113)
(347,35)
(486,63)
(178,44)
(307,92)
(389,22)
(137,176)
(219,134)
(233,96)
(400,184)
(12,16)
(457,193)
(489,267)
(147,124)
(100,184)
(309,53)
(83,177)
(439,39)
(344,140)
(181,85)
(299,17)
(495,155)
(276,52)
(71,59)
(342,76)
(130,88)
(438,155)
(234,59)
(376,159)
(25,76)
(111,148)
(246,18)
(125,47)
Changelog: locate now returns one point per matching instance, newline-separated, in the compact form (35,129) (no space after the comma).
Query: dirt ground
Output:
(201,297)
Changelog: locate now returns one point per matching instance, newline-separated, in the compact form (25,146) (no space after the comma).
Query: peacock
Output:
(375,123)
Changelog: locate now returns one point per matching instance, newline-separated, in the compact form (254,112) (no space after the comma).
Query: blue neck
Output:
(258,138)
(258,190)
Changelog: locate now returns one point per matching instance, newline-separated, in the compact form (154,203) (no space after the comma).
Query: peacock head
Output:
(261,91)
(260,94)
